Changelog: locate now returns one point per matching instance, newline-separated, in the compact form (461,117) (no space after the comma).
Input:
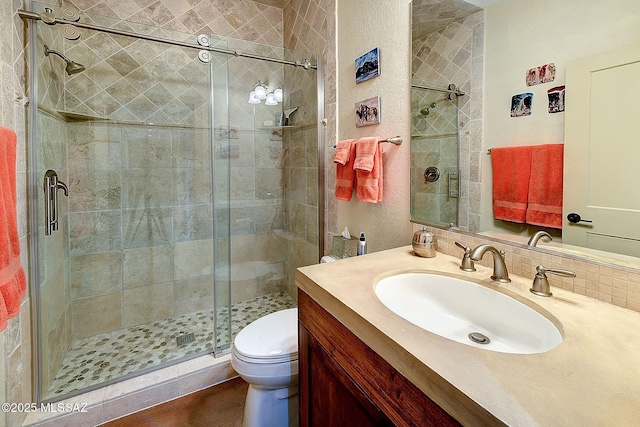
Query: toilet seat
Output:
(271,339)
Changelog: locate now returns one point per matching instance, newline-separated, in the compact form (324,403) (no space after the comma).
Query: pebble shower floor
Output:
(103,357)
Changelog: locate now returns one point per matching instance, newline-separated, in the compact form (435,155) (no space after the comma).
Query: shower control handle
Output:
(51,187)
(431,174)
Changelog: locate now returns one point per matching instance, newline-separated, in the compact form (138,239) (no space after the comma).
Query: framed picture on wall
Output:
(368,66)
(368,112)
(556,99)
(521,104)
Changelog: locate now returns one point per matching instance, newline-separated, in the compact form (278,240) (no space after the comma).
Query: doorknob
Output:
(575,218)
(51,187)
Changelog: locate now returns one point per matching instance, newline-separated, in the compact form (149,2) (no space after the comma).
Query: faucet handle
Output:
(467,262)
(541,282)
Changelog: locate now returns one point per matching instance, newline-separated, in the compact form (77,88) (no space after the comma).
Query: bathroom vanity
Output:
(361,362)
(344,374)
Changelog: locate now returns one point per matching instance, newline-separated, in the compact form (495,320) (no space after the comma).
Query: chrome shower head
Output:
(72,67)
(425,111)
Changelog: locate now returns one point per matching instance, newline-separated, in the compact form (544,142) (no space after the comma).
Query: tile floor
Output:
(116,354)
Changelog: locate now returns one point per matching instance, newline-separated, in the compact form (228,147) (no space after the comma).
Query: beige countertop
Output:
(591,379)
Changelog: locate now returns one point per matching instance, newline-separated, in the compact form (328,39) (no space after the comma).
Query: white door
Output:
(602,151)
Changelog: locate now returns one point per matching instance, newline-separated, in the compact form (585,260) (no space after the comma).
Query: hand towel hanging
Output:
(511,175)
(12,277)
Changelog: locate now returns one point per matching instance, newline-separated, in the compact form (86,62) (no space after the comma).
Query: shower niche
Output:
(185,217)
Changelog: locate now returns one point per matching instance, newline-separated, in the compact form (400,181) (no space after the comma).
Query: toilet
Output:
(265,354)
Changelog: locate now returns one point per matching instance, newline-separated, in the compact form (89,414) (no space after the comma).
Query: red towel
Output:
(369,184)
(545,186)
(511,173)
(345,175)
(12,278)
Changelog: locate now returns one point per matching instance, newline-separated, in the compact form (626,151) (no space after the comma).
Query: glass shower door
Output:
(126,283)
(434,155)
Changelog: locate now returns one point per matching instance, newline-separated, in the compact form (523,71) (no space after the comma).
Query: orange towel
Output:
(345,175)
(343,151)
(12,278)
(511,173)
(545,186)
(369,185)
(366,148)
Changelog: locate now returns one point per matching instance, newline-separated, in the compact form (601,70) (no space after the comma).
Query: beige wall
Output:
(385,25)
(519,37)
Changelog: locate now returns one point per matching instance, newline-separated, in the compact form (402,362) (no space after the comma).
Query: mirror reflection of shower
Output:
(72,67)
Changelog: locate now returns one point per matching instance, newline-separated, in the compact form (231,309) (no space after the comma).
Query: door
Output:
(602,150)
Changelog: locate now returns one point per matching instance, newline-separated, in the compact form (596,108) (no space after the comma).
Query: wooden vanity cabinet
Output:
(343,382)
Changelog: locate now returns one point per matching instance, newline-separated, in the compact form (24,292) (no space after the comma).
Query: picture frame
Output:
(368,112)
(521,104)
(556,99)
(368,65)
(543,74)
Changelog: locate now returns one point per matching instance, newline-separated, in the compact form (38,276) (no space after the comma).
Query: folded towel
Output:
(511,173)
(345,175)
(545,186)
(369,185)
(343,151)
(12,278)
(366,148)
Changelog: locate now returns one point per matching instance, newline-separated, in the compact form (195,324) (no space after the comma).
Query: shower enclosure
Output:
(435,176)
(179,211)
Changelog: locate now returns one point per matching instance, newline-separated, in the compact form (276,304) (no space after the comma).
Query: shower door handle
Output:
(51,187)
(453,190)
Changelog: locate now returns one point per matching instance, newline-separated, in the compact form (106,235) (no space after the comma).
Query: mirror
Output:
(486,53)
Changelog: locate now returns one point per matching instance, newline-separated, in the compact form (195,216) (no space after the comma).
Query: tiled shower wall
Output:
(455,54)
(15,340)
(309,25)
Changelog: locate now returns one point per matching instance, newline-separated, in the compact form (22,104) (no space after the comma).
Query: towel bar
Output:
(396,140)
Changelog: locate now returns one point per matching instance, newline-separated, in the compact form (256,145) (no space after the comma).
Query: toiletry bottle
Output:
(362,245)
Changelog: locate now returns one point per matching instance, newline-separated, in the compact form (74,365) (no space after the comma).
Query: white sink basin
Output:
(455,308)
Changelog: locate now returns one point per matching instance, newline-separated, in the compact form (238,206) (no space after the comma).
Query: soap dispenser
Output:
(362,245)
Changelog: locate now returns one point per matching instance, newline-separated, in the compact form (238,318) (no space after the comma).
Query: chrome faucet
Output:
(467,263)
(540,284)
(499,267)
(537,236)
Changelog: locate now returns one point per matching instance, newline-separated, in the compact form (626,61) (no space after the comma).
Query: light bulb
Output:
(277,95)
(271,100)
(261,92)
(253,99)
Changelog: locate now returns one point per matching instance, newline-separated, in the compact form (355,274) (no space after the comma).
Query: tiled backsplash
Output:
(610,283)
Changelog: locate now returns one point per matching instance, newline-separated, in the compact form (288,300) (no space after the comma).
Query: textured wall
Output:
(384,25)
